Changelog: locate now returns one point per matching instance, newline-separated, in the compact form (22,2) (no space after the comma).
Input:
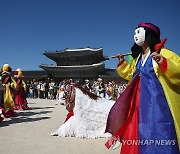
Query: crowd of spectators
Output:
(48,89)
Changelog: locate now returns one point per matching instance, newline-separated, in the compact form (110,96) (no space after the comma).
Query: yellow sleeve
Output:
(126,70)
(14,84)
(170,81)
(24,85)
(173,66)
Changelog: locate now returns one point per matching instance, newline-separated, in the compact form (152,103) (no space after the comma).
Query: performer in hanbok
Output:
(60,96)
(110,91)
(148,117)
(9,85)
(87,114)
(101,88)
(20,96)
(87,85)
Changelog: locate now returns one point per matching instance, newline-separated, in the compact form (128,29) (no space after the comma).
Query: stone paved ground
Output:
(29,133)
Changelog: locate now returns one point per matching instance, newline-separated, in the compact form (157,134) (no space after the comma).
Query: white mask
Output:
(139,36)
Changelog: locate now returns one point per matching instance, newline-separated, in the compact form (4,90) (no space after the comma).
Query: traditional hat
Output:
(6,68)
(18,69)
(156,29)
(151,26)
(19,72)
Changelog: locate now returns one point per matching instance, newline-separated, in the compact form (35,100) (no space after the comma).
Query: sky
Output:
(30,27)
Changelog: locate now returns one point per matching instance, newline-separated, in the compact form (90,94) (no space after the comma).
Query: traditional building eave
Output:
(74,50)
(71,68)
(74,71)
(75,54)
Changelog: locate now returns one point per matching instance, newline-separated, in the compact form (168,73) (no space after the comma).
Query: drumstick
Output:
(126,54)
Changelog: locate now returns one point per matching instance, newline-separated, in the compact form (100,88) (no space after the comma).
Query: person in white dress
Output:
(89,117)
(60,96)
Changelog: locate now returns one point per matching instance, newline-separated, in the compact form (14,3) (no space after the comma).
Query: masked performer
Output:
(20,97)
(149,109)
